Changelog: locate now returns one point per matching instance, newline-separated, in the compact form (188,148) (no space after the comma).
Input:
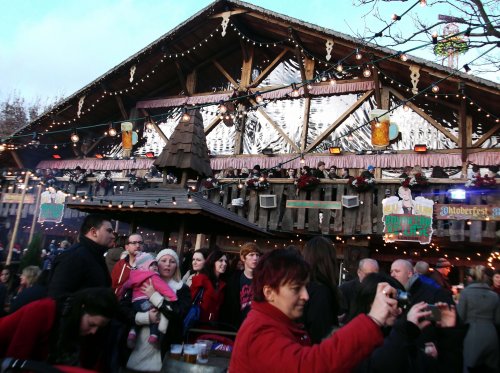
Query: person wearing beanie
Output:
(256,170)
(146,271)
(320,171)
(441,272)
(369,172)
(146,357)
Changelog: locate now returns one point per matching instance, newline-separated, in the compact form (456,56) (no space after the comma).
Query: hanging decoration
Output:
(415,76)
(452,45)
(80,105)
(379,122)
(51,206)
(407,219)
(329,48)
(126,128)
(225,22)
(132,73)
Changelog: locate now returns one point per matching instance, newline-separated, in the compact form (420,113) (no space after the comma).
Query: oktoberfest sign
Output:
(467,212)
(51,206)
(407,219)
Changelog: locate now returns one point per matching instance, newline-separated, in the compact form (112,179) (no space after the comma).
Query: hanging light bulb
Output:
(323,78)
(149,125)
(333,81)
(55,147)
(435,88)
(403,57)
(358,55)
(434,37)
(406,107)
(340,68)
(295,91)
(258,97)
(2,147)
(350,137)
(302,160)
(222,107)
(111,131)
(423,3)
(395,17)
(185,115)
(240,184)
(74,137)
(367,72)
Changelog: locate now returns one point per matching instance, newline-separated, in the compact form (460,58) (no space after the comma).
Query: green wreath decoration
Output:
(458,45)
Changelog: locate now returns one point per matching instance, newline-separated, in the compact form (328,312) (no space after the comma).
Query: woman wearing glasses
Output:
(121,270)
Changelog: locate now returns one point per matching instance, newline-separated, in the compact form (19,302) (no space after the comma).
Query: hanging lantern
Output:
(111,131)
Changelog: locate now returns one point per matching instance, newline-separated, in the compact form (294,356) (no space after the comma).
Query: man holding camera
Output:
(418,291)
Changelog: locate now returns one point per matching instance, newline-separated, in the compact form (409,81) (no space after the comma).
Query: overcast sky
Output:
(51,48)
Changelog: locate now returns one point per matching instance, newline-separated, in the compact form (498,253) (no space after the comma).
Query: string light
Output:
(367,72)
(435,88)
(111,131)
(434,37)
(403,57)
(74,137)
(185,115)
(358,55)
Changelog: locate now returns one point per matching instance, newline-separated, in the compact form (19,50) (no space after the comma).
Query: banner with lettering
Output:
(407,219)
(51,206)
(467,212)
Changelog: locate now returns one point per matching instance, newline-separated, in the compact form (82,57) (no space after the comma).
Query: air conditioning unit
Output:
(267,201)
(350,201)
(237,202)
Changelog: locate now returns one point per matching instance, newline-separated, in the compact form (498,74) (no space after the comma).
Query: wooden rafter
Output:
(426,116)
(462,130)
(339,120)
(263,75)
(182,78)
(212,125)
(121,106)
(275,126)
(156,128)
(487,135)
(246,68)
(225,73)
(308,74)
(378,97)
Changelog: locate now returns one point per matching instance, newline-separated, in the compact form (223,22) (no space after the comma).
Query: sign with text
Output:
(16,198)
(305,204)
(407,219)
(51,206)
(467,212)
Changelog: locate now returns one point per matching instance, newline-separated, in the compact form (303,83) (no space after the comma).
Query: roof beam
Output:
(263,75)
(225,73)
(486,136)
(121,106)
(339,120)
(182,78)
(274,125)
(212,125)
(155,126)
(424,115)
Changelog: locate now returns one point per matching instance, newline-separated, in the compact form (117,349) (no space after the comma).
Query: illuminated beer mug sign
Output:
(380,123)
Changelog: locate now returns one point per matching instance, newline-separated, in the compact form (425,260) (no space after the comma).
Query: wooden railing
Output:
(365,219)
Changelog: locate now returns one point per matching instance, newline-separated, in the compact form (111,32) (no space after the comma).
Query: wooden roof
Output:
(187,149)
(155,209)
(197,47)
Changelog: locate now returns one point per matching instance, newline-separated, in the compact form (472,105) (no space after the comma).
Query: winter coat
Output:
(320,311)
(479,307)
(81,266)
(120,274)
(269,341)
(138,276)
(212,299)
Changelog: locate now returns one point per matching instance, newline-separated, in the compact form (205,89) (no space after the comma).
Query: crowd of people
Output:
(107,305)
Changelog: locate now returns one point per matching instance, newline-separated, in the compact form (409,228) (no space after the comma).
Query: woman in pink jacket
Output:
(270,340)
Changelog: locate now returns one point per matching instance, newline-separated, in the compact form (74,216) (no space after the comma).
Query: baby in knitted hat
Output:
(146,270)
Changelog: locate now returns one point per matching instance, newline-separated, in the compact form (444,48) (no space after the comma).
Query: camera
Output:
(435,313)
(403,298)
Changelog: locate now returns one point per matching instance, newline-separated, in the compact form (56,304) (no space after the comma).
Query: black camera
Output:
(403,298)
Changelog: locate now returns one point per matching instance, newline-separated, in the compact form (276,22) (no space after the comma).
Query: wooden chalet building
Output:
(279,92)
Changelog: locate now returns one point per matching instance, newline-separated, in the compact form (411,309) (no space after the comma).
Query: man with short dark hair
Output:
(83,266)
(121,270)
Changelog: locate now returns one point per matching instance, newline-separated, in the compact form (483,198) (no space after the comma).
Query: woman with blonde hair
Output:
(29,290)
(479,307)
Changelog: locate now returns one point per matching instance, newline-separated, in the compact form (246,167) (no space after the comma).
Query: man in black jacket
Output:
(83,266)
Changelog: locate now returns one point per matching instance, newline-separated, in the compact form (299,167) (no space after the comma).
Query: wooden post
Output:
(18,219)
(35,214)
(463,129)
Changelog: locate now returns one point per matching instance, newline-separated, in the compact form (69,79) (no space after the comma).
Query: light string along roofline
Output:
(248,95)
(170,55)
(239,97)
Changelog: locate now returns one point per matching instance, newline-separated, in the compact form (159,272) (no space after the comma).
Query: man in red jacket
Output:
(270,340)
(121,270)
